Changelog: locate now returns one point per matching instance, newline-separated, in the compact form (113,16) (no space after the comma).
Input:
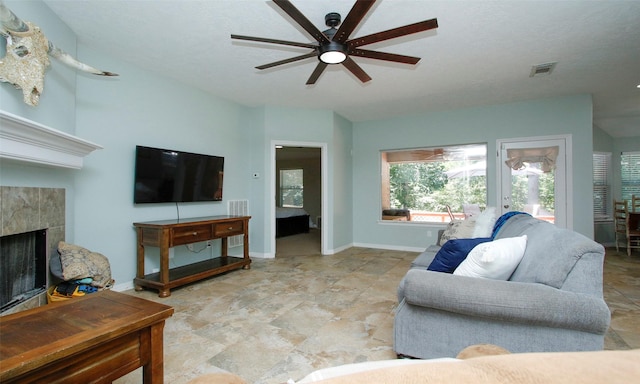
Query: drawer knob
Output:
(195,233)
(230,228)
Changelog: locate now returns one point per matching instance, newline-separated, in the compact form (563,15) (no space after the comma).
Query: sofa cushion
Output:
(551,252)
(425,258)
(494,260)
(453,252)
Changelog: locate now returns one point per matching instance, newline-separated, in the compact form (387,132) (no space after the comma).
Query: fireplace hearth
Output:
(32,223)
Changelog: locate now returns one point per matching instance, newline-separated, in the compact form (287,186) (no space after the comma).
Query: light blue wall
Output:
(57,102)
(56,108)
(341,183)
(252,122)
(602,142)
(317,127)
(569,115)
(140,108)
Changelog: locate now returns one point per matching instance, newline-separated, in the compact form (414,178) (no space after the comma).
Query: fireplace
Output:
(24,267)
(33,223)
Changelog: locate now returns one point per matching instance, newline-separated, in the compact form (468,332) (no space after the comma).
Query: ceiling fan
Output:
(333,45)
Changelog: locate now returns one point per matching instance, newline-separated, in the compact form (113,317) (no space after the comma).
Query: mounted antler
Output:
(27,56)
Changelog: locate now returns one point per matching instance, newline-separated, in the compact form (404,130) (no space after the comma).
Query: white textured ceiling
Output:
(481,54)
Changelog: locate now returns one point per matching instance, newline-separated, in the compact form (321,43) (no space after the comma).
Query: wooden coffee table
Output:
(93,339)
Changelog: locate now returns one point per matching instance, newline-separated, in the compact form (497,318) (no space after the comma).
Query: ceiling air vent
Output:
(542,69)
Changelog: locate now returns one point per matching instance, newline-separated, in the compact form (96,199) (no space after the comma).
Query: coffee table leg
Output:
(153,371)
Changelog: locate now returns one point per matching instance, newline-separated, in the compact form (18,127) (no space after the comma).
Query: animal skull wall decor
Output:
(27,56)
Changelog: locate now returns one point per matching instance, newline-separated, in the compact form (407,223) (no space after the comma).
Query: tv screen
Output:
(168,176)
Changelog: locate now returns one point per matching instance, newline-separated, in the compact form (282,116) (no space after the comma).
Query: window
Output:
(291,188)
(602,199)
(419,184)
(630,174)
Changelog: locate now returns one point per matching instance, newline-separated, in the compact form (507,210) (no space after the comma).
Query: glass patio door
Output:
(532,178)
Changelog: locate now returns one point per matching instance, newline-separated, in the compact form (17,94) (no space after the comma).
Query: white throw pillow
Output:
(495,259)
(485,222)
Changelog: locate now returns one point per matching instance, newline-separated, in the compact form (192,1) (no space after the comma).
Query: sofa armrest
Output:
(528,303)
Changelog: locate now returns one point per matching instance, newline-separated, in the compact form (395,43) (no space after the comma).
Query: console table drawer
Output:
(192,234)
(229,228)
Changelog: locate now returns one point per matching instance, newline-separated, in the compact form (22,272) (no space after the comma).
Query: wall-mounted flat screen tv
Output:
(169,176)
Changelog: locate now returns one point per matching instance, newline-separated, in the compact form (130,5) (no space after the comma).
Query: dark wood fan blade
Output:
(274,41)
(316,73)
(384,56)
(287,61)
(299,18)
(356,70)
(393,33)
(355,15)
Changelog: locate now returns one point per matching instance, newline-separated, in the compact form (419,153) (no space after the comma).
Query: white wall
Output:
(569,115)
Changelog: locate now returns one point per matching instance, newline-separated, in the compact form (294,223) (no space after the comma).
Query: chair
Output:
(620,213)
(633,231)
(635,203)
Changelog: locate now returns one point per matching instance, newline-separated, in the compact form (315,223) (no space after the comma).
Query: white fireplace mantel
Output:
(28,141)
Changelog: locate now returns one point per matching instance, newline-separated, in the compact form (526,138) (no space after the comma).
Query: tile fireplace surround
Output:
(26,209)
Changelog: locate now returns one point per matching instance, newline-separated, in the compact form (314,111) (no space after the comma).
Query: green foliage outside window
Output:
(425,186)
(291,188)
(546,191)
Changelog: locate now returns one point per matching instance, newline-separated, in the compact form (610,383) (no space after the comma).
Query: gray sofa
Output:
(552,301)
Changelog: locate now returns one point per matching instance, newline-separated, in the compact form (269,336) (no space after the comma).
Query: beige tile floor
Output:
(288,316)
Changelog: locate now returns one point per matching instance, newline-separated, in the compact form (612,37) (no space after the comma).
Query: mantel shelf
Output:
(28,141)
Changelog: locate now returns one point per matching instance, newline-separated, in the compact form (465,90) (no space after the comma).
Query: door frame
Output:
(324,235)
(568,158)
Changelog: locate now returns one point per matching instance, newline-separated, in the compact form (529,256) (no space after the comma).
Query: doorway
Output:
(534,176)
(303,195)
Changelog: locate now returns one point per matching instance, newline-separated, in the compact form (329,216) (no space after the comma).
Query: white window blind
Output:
(602,201)
(292,188)
(630,174)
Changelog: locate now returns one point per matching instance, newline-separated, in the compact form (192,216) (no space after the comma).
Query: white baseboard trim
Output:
(337,250)
(390,247)
(123,286)
(262,255)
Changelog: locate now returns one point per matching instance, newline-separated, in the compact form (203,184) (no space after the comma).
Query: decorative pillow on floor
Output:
(452,253)
(78,263)
(494,260)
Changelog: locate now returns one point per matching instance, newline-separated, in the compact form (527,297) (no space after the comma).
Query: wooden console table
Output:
(166,234)
(93,339)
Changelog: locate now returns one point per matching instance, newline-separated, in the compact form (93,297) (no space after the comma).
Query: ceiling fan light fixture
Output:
(332,53)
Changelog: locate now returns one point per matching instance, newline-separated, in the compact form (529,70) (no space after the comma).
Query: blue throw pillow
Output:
(453,252)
